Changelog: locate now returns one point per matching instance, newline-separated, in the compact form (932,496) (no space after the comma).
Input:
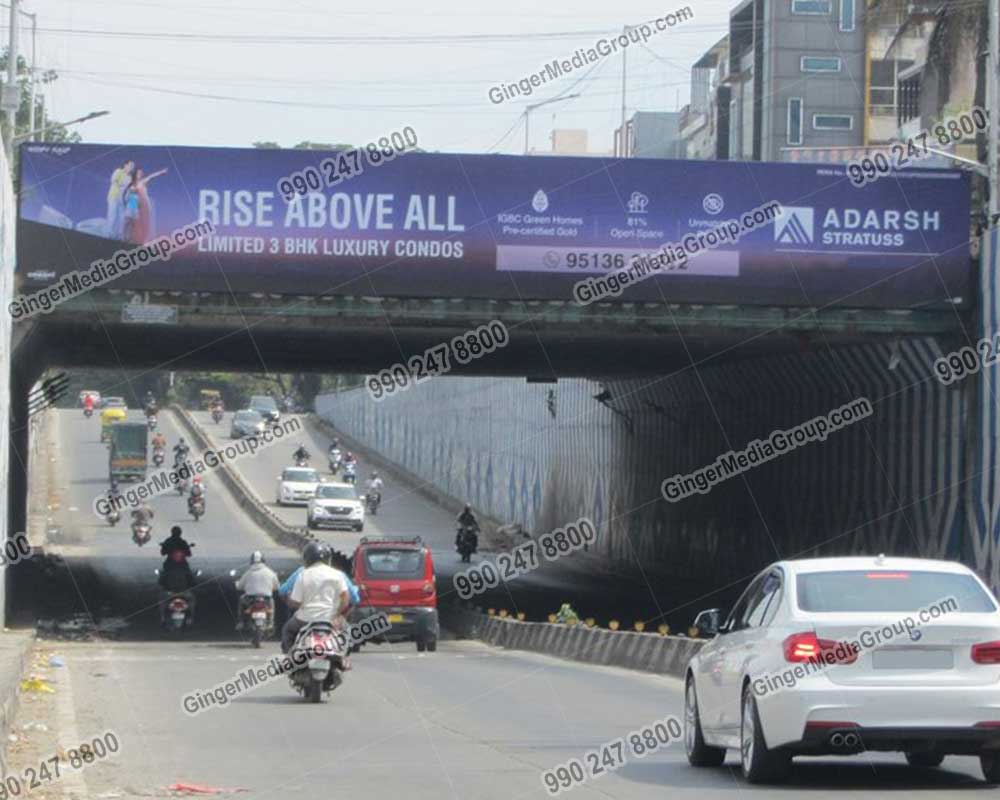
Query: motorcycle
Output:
(317,661)
(157,456)
(372,500)
(140,533)
(468,542)
(350,474)
(113,516)
(88,412)
(182,487)
(335,461)
(196,506)
(302,461)
(151,421)
(217,415)
(178,610)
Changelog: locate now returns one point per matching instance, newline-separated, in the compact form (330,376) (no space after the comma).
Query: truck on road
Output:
(128,451)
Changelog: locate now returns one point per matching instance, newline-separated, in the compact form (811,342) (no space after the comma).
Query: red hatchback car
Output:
(396,576)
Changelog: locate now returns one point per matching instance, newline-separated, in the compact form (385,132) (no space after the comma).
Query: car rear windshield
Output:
(888,590)
(389,563)
(248,416)
(336,493)
(300,475)
(264,402)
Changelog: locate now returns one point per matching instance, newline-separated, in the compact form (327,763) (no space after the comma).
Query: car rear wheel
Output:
(990,765)
(699,754)
(924,759)
(432,645)
(421,645)
(759,764)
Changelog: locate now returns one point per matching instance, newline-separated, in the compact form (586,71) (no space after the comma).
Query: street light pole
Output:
(532,106)
(33,76)
(993,104)
(11,91)
(622,137)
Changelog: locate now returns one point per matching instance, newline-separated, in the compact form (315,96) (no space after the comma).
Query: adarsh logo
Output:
(795,225)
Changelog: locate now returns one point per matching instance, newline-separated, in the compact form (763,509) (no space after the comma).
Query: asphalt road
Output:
(467,721)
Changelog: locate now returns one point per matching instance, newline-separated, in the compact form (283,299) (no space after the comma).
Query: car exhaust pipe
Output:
(837,740)
(851,740)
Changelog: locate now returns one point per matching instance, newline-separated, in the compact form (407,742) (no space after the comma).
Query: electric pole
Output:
(11,97)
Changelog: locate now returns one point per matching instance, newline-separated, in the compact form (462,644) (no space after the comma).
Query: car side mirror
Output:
(710,622)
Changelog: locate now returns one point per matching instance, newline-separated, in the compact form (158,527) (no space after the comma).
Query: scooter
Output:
(335,461)
(88,412)
(196,506)
(350,474)
(468,542)
(302,461)
(373,500)
(317,661)
(182,487)
(151,421)
(113,516)
(216,415)
(157,456)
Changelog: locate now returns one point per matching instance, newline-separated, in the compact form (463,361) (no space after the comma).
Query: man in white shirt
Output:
(319,595)
(258,581)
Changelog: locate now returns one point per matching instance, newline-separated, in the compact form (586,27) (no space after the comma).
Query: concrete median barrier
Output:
(648,652)
(243,493)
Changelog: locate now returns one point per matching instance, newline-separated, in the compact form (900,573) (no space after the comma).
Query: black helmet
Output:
(316,551)
(176,530)
(468,508)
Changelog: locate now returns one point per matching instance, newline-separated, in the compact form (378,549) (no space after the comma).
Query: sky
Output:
(223,73)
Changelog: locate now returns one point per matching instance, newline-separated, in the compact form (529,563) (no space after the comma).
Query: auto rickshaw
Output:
(208,398)
(109,417)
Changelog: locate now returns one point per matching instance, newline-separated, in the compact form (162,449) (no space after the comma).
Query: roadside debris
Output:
(195,788)
(36,685)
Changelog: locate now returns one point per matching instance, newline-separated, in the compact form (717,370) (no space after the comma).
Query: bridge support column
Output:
(982,545)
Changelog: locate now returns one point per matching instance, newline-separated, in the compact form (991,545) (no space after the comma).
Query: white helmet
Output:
(256,557)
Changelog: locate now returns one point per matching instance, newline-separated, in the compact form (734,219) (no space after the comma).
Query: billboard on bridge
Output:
(493,226)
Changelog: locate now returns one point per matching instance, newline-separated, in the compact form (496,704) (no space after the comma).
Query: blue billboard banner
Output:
(493,226)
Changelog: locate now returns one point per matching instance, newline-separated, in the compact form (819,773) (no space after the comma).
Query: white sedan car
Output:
(336,505)
(297,486)
(846,655)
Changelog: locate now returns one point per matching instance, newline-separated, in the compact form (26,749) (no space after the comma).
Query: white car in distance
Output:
(847,655)
(297,486)
(336,505)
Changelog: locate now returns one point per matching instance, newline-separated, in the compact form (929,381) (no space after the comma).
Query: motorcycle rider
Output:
(181,450)
(467,520)
(176,578)
(142,515)
(175,542)
(159,440)
(301,454)
(320,593)
(197,491)
(374,487)
(350,459)
(150,404)
(115,500)
(88,403)
(258,581)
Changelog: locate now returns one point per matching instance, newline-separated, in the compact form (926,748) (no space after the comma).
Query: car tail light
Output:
(986,653)
(988,724)
(428,589)
(806,646)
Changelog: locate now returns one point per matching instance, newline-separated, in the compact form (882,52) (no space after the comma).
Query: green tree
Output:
(22,119)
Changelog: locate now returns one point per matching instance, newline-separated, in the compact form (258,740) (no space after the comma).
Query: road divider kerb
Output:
(646,652)
(270,523)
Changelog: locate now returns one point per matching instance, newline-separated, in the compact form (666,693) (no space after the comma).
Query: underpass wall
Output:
(7,449)
(545,454)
